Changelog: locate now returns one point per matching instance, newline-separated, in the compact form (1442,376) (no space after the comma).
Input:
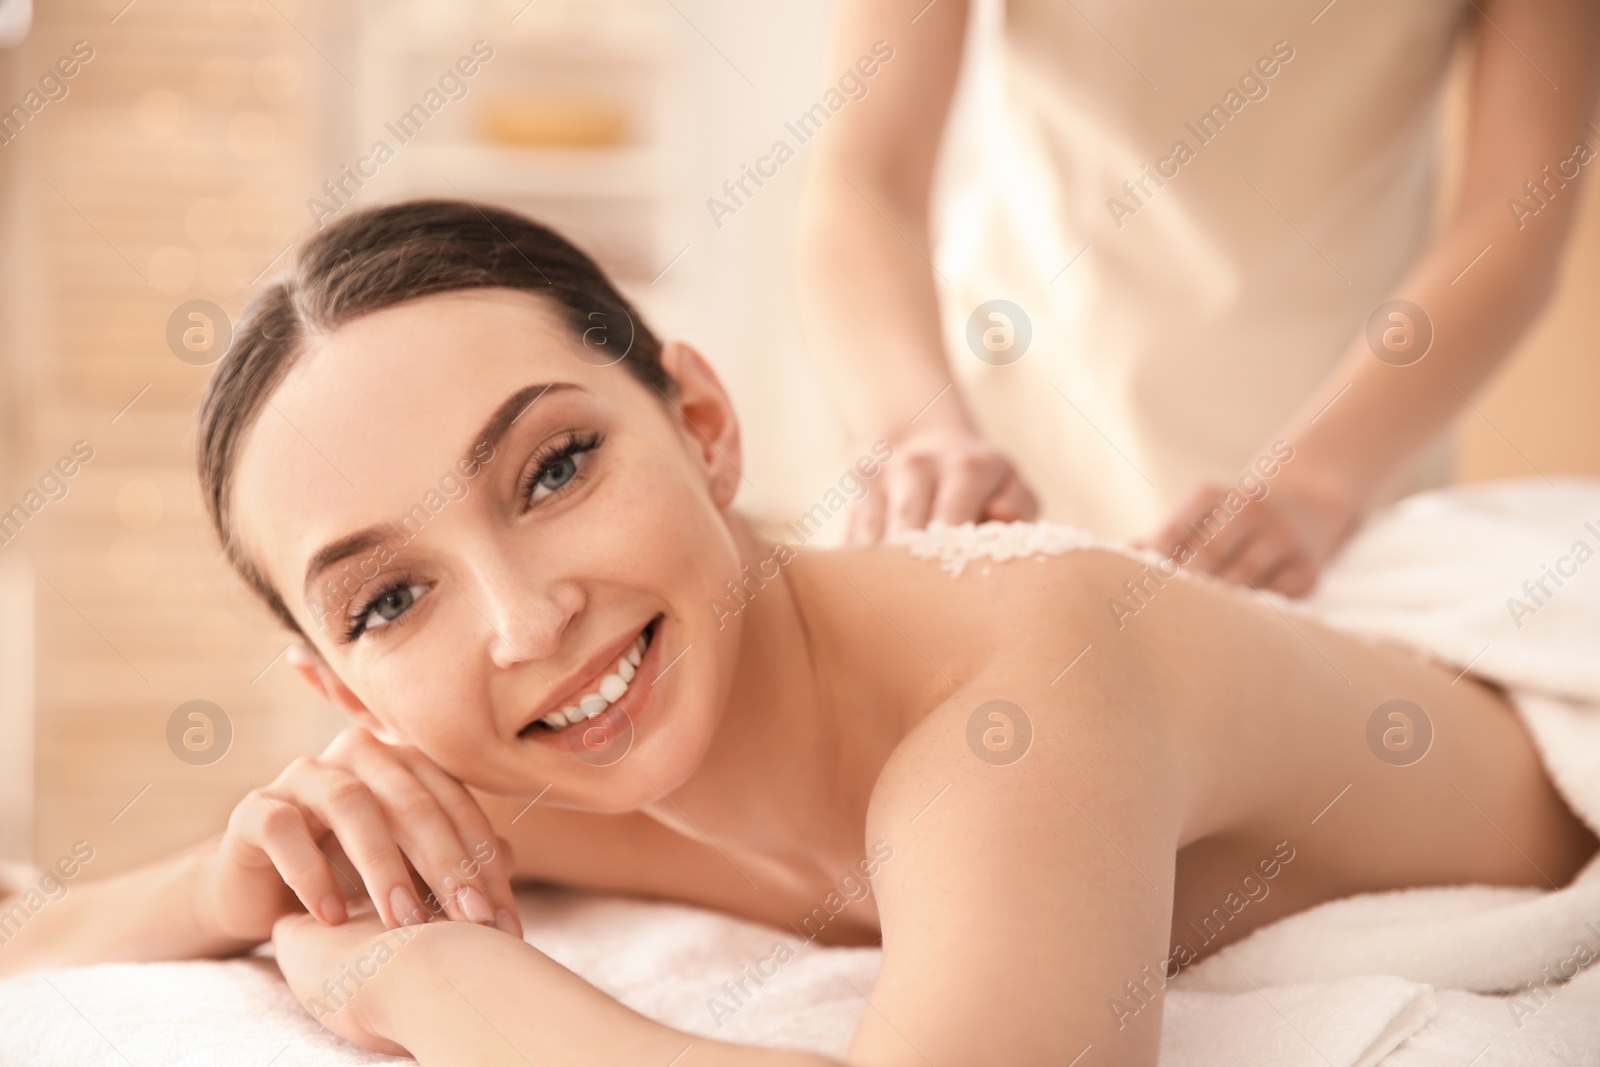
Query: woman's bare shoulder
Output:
(1032,835)
(1051,676)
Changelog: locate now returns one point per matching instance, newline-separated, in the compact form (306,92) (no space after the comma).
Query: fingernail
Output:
(332,909)
(506,922)
(476,906)
(403,902)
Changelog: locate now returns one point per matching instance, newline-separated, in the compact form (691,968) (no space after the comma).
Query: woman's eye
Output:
(555,475)
(392,605)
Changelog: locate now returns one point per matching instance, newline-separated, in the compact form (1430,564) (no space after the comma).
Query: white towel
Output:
(1457,573)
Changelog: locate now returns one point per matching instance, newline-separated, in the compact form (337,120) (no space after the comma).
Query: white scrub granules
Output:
(956,546)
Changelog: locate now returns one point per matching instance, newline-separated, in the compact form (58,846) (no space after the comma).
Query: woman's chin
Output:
(631,755)
(655,766)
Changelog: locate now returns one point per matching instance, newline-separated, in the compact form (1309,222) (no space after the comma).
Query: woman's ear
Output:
(706,414)
(316,673)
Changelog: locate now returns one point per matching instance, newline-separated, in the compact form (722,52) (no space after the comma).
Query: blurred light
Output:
(251,134)
(139,505)
(160,113)
(16,17)
(208,222)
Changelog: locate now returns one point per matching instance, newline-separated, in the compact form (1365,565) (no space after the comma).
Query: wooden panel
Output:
(151,184)
(1537,416)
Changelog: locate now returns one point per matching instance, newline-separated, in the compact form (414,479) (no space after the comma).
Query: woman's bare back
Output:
(1317,764)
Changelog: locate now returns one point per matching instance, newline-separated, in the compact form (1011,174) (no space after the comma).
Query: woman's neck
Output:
(813,713)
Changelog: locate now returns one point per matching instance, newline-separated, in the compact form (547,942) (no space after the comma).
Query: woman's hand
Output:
(408,830)
(946,472)
(1278,540)
(339,973)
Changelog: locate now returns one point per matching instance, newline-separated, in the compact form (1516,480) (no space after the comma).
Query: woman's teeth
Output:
(611,689)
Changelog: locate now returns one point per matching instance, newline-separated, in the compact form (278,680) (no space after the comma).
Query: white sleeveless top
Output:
(1281,178)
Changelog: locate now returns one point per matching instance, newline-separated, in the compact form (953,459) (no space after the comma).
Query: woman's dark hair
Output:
(376,259)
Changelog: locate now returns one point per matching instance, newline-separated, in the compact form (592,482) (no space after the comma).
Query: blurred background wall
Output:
(191,147)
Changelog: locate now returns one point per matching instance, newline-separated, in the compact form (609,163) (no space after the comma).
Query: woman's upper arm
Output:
(1534,85)
(889,138)
(1021,897)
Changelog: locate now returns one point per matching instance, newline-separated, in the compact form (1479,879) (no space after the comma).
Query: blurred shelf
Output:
(497,172)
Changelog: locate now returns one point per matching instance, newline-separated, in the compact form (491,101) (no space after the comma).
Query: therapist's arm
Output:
(866,284)
(1534,87)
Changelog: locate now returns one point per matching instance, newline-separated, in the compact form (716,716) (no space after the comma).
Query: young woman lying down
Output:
(497,512)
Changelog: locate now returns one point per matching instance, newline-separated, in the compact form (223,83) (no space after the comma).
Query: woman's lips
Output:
(602,721)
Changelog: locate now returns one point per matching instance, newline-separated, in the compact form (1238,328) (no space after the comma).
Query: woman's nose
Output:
(529,618)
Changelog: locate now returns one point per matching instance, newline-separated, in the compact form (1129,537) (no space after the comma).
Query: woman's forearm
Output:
(1370,417)
(1491,270)
(866,283)
(467,994)
(140,915)
(871,308)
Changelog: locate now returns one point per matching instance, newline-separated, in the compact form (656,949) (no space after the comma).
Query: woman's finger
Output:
(488,865)
(1012,502)
(347,807)
(1261,558)
(426,836)
(280,832)
(867,516)
(1296,578)
(966,482)
(1217,535)
(911,488)
(1173,537)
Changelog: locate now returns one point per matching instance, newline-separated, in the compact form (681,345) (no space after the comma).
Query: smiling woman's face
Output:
(474,528)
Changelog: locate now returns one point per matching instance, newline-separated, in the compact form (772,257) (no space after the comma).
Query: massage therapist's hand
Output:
(944,471)
(1279,541)
(408,830)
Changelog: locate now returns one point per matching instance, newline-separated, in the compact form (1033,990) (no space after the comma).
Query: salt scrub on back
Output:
(956,546)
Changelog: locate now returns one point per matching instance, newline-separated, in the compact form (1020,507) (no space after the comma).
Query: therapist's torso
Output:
(1197,207)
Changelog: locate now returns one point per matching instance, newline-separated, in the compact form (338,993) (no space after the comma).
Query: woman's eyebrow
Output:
(511,409)
(334,551)
(505,416)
